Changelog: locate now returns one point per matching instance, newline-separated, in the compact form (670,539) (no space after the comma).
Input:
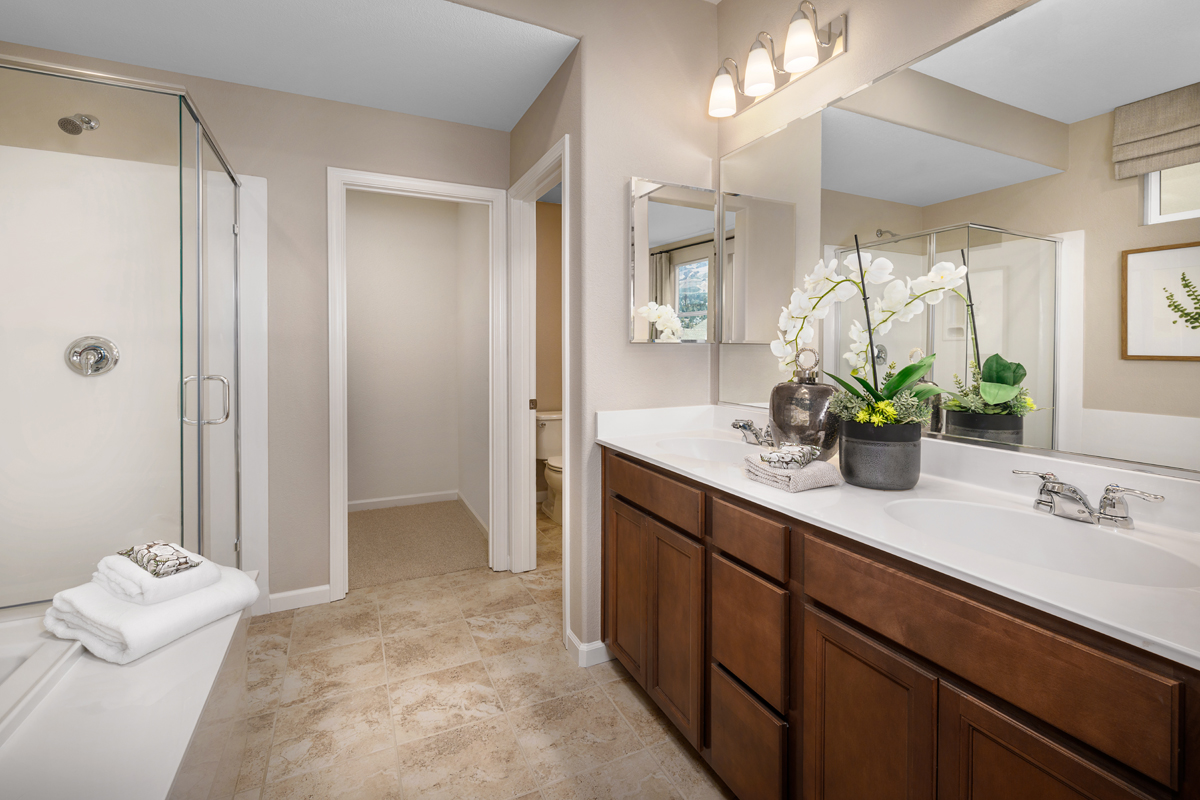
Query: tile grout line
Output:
(387,691)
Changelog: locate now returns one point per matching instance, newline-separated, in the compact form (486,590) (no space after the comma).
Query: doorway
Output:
(429,381)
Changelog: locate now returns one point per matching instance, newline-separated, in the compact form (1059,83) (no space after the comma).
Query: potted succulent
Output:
(881,423)
(994,406)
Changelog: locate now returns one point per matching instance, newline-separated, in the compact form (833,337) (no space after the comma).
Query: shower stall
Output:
(119,319)
(1014,282)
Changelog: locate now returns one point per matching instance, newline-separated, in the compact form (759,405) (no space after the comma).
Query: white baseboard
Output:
(402,500)
(483,528)
(299,598)
(587,655)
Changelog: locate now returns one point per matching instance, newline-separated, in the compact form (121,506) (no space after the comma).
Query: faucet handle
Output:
(1113,508)
(1045,476)
(1113,491)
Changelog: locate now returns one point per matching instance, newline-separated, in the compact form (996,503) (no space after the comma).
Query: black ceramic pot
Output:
(994,427)
(884,457)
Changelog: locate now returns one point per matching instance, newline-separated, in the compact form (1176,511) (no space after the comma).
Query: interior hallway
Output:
(455,686)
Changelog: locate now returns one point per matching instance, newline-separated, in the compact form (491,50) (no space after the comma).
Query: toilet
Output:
(549,447)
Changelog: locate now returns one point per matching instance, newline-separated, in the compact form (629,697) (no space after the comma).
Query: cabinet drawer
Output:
(748,741)
(677,503)
(1117,707)
(749,630)
(756,540)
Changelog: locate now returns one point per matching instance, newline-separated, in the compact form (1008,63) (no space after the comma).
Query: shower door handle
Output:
(225,396)
(225,399)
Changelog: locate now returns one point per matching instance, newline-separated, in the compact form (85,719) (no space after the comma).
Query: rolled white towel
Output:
(125,580)
(120,631)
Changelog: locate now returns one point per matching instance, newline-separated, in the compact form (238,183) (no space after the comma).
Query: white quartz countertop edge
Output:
(1164,621)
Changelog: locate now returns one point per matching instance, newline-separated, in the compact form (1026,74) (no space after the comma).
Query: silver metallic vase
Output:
(799,409)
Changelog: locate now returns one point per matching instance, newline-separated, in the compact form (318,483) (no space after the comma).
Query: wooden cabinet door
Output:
(985,755)
(870,717)
(676,677)
(627,587)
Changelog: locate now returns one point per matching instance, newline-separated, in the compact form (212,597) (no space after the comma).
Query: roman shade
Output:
(1157,133)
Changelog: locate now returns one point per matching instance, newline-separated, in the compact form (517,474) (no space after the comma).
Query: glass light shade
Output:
(800,49)
(760,73)
(723,100)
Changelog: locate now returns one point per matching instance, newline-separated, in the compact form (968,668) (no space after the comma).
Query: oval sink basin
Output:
(1041,540)
(723,450)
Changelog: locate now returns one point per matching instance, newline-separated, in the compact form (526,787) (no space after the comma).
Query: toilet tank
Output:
(549,434)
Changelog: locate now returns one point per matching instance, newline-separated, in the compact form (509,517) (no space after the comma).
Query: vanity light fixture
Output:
(801,50)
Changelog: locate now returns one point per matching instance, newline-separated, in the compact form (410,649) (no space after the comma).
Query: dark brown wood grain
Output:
(985,755)
(750,630)
(751,538)
(1122,710)
(676,669)
(671,500)
(748,741)
(870,722)
(626,587)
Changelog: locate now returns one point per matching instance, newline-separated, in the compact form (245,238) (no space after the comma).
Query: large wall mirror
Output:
(673,251)
(1067,181)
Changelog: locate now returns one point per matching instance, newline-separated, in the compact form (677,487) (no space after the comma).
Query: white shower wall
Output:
(88,246)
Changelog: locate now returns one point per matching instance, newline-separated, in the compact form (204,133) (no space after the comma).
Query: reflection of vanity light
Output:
(801,53)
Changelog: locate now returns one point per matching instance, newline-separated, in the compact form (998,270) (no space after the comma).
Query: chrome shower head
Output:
(77,124)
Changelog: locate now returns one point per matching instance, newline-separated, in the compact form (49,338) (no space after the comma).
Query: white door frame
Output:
(551,168)
(341,181)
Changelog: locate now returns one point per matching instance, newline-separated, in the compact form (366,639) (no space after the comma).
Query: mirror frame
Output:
(713,274)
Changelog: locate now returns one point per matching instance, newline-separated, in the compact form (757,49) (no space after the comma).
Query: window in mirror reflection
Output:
(1173,194)
(691,299)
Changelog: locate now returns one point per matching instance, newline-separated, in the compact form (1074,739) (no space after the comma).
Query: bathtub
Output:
(31,662)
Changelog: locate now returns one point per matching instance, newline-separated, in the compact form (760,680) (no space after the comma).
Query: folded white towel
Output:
(816,475)
(125,580)
(120,631)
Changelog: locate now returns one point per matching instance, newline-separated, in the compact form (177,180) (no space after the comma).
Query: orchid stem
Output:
(862,274)
(971,309)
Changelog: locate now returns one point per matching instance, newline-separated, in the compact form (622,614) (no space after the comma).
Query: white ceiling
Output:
(871,158)
(671,223)
(430,58)
(1074,59)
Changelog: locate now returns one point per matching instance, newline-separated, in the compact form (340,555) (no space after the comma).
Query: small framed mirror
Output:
(672,262)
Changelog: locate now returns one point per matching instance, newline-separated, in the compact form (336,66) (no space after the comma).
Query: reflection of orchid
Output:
(900,301)
(665,321)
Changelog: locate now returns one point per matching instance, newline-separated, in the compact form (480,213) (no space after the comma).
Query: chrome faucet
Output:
(1067,501)
(752,435)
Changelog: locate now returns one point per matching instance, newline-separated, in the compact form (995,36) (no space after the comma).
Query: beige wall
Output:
(1087,197)
(549,307)
(474,399)
(290,140)
(402,356)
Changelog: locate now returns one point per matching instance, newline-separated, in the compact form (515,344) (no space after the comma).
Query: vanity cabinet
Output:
(803,664)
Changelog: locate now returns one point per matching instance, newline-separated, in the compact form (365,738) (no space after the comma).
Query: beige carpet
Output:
(397,544)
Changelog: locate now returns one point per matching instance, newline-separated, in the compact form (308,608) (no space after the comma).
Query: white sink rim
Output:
(1059,545)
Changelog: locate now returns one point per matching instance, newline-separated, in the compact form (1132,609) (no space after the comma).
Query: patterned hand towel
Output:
(159,558)
(812,476)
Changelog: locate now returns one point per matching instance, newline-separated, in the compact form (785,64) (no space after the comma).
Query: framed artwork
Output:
(1160,303)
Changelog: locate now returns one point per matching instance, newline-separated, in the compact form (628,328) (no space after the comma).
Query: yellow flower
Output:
(877,419)
(1032,405)
(863,416)
(886,408)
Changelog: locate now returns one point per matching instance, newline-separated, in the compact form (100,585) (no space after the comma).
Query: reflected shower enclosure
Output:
(1013,285)
(119,261)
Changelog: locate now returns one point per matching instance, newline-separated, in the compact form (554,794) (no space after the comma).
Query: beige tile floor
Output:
(456,687)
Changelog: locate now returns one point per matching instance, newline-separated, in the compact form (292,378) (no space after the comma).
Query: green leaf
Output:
(1018,374)
(847,386)
(997,393)
(997,369)
(870,389)
(908,376)
(928,390)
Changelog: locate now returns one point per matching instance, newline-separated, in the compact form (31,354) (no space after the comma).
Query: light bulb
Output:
(723,100)
(800,49)
(760,73)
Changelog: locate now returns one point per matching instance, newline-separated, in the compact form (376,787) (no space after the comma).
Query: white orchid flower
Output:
(801,332)
(879,312)
(785,318)
(876,270)
(945,275)
(821,274)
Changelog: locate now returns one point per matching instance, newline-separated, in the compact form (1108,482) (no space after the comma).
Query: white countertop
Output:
(1165,621)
